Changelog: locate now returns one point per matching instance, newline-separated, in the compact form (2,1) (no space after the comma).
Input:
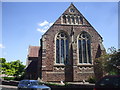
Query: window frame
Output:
(64,38)
(78,55)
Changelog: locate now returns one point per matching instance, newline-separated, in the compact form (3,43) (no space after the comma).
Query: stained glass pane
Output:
(67,45)
(57,51)
(62,51)
(62,34)
(80,51)
(89,51)
(84,51)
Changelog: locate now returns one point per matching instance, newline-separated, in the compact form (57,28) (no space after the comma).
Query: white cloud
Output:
(50,24)
(1,46)
(44,26)
(41,30)
(43,23)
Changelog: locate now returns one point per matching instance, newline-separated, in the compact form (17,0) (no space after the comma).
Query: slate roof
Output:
(33,51)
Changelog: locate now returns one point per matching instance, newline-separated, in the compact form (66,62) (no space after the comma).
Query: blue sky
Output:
(23,23)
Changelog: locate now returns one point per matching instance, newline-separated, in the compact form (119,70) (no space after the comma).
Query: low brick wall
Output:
(12,83)
(72,87)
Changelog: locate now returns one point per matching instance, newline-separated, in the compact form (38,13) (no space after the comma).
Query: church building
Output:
(67,50)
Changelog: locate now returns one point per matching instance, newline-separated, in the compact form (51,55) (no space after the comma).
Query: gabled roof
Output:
(76,13)
(68,12)
(33,51)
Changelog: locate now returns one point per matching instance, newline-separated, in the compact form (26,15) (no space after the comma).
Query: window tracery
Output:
(62,48)
(84,48)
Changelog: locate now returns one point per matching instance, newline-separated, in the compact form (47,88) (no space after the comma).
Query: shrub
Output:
(92,80)
(17,78)
(9,78)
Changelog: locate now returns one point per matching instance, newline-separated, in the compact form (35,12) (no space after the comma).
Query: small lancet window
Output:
(68,19)
(73,20)
(77,20)
(81,20)
(64,19)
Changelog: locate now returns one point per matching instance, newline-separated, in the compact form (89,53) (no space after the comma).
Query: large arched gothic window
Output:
(84,48)
(62,48)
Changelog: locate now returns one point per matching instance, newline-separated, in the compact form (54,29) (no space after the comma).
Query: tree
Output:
(100,66)
(113,64)
(18,66)
(2,65)
(13,68)
(108,64)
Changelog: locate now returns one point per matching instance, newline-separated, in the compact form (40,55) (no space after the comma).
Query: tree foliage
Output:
(109,63)
(113,64)
(14,68)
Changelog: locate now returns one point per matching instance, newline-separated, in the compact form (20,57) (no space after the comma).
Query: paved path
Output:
(7,87)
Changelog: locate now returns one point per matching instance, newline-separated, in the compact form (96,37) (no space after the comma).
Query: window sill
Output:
(59,64)
(85,64)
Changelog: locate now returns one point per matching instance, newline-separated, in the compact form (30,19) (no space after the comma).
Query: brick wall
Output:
(77,72)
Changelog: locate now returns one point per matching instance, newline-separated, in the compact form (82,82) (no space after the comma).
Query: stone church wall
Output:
(54,72)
